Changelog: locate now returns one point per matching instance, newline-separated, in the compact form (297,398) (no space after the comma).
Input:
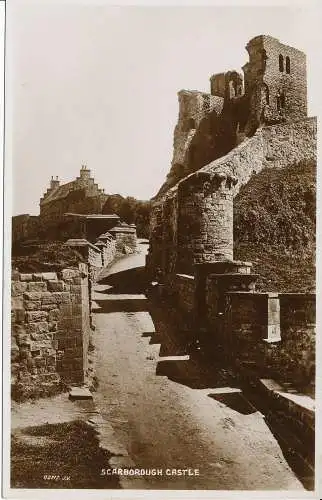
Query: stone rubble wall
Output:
(50,331)
(298,333)
(184,290)
(108,253)
(292,356)
(126,242)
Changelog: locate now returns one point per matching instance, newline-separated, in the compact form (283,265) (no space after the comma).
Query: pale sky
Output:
(97,85)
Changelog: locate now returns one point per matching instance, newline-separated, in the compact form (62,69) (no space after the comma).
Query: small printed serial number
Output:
(53,477)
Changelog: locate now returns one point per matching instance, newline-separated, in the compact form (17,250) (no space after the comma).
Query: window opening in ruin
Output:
(232,89)
(264,59)
(265,94)
(281,62)
(282,98)
(288,65)
(280,101)
(191,124)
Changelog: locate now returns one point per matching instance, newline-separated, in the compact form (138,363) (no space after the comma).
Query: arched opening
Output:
(265,94)
(288,64)
(264,59)
(282,97)
(280,101)
(232,89)
(281,62)
(191,124)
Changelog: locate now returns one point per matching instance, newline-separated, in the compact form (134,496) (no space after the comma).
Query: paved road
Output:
(169,412)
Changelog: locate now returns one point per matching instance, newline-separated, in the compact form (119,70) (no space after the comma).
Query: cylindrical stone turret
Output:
(205,219)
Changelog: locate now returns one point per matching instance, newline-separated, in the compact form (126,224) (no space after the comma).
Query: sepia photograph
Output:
(159,329)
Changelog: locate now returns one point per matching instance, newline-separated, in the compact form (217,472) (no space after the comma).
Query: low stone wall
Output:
(298,331)
(50,331)
(253,316)
(125,240)
(108,252)
(274,332)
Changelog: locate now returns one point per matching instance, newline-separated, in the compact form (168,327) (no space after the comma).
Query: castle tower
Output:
(205,220)
(275,80)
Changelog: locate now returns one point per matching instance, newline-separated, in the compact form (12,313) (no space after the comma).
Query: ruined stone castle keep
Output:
(221,139)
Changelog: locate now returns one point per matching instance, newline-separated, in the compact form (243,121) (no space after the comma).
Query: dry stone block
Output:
(18,288)
(33,316)
(48,299)
(61,297)
(37,276)
(56,286)
(41,336)
(37,286)
(39,327)
(32,295)
(69,273)
(26,277)
(49,276)
(31,305)
(48,307)
(53,315)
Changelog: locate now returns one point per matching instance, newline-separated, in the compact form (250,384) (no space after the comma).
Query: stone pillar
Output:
(213,281)
(273,333)
(154,257)
(205,223)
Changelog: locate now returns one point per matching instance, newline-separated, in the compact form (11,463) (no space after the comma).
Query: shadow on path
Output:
(130,281)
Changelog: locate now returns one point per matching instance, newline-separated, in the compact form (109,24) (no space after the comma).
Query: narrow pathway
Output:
(167,410)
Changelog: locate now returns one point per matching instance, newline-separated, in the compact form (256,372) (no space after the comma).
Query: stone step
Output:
(77,393)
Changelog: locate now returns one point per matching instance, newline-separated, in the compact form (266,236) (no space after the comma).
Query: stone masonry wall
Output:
(126,242)
(50,331)
(274,331)
(184,288)
(205,220)
(270,331)
(108,252)
(298,333)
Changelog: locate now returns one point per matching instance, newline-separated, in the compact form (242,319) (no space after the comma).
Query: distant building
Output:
(81,196)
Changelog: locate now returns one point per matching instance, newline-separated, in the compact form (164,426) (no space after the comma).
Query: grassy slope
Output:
(46,256)
(65,455)
(274,227)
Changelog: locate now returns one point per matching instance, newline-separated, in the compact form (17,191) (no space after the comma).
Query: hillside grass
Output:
(63,455)
(44,256)
(275,225)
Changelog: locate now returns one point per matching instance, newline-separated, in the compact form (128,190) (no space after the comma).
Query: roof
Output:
(58,192)
(63,190)
(79,242)
(123,229)
(92,216)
